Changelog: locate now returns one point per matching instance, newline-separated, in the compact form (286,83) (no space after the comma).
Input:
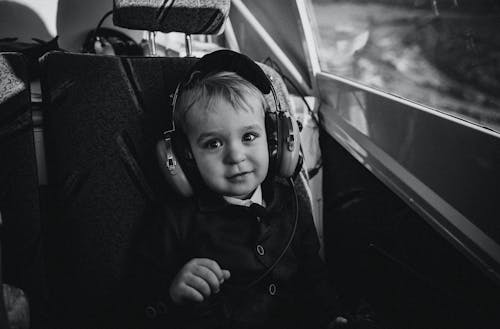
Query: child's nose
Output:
(234,154)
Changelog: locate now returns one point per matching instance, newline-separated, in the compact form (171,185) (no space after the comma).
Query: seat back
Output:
(103,115)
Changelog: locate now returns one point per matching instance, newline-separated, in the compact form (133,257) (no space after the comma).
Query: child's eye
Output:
(248,137)
(212,144)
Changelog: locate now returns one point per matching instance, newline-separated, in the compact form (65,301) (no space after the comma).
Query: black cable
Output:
(283,251)
(93,39)
(311,112)
(277,68)
(289,242)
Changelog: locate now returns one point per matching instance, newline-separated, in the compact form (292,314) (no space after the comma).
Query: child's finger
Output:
(199,284)
(225,275)
(206,274)
(191,294)
(213,266)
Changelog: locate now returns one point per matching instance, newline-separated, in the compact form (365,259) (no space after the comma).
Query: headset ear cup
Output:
(290,145)
(171,168)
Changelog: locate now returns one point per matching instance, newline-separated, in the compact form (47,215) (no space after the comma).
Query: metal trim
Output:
(272,45)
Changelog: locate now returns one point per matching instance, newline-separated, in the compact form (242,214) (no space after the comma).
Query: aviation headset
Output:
(282,130)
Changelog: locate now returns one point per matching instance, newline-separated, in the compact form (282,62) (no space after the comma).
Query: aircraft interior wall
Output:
(381,251)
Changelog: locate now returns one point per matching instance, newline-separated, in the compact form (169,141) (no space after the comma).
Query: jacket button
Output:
(151,312)
(161,307)
(272,289)
(260,250)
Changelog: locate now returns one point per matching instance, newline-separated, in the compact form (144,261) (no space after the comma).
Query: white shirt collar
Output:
(256,198)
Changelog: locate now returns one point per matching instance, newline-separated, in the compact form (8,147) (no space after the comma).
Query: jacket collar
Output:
(209,201)
(255,198)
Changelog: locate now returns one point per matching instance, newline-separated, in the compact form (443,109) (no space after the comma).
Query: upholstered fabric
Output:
(17,306)
(188,16)
(103,116)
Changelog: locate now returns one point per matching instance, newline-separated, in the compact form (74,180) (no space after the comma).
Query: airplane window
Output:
(444,54)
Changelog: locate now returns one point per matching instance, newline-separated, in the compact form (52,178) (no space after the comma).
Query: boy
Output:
(223,261)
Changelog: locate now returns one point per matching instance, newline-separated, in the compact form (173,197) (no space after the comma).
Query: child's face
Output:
(229,147)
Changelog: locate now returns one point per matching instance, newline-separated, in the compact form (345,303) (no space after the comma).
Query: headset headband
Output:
(226,60)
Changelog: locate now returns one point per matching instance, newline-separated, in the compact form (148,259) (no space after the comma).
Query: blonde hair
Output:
(209,90)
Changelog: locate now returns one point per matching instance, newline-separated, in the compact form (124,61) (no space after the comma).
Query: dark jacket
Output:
(247,242)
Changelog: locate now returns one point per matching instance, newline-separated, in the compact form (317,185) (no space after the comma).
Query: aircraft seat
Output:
(102,118)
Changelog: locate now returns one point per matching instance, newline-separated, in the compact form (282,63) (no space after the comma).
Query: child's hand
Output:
(339,323)
(197,280)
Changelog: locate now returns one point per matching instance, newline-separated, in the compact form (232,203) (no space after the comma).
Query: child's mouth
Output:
(239,176)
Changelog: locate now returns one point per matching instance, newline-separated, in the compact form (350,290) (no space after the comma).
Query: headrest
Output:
(187,16)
